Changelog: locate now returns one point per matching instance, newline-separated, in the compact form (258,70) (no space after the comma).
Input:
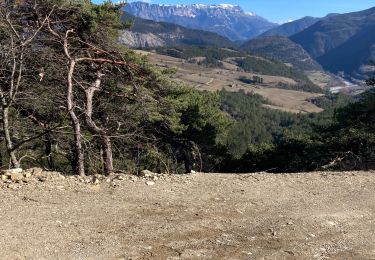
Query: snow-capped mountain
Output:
(225,19)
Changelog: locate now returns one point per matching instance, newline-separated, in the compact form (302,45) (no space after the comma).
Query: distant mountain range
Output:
(147,33)
(283,49)
(226,20)
(342,43)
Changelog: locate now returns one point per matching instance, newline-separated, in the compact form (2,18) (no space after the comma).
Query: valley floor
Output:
(216,79)
(198,216)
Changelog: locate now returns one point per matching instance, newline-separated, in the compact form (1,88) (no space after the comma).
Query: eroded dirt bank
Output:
(200,216)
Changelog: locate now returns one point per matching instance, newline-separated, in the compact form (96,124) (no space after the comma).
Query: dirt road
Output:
(200,216)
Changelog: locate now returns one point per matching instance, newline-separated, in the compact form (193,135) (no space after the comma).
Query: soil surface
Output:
(198,216)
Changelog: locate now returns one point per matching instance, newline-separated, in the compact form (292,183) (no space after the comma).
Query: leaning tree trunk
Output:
(104,138)
(80,168)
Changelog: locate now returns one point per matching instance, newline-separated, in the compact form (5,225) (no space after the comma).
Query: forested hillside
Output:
(342,137)
(254,123)
(342,43)
(283,49)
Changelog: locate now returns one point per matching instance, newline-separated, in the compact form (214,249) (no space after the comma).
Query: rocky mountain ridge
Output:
(148,34)
(227,20)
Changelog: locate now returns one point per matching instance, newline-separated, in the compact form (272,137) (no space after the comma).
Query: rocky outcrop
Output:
(141,40)
(147,33)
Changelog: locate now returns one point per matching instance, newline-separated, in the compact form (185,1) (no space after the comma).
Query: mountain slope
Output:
(342,42)
(291,28)
(283,49)
(352,56)
(147,33)
(234,62)
(227,20)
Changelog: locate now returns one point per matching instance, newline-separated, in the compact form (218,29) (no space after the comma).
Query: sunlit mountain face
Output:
(227,20)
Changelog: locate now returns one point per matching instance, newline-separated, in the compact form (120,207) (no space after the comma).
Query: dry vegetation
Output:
(213,79)
(324,79)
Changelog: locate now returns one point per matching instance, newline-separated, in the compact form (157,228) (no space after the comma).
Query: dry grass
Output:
(216,79)
(320,78)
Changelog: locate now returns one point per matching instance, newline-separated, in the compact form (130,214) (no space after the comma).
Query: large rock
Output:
(28,174)
(36,171)
(147,173)
(12,186)
(16,176)
(96,181)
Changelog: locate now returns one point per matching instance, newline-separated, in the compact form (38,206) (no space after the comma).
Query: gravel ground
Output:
(199,216)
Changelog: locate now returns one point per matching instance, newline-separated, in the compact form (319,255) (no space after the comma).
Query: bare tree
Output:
(71,108)
(18,33)
(103,135)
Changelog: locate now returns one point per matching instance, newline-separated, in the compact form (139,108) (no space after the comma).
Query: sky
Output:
(284,10)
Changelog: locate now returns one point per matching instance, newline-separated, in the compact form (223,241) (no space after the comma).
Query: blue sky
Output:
(283,10)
